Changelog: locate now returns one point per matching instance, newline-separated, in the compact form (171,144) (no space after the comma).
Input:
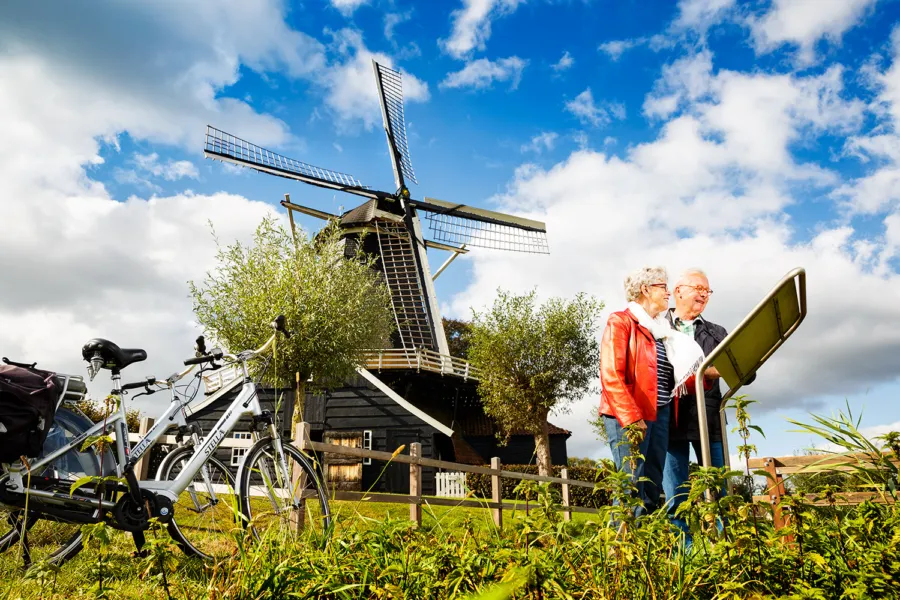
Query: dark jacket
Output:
(686,427)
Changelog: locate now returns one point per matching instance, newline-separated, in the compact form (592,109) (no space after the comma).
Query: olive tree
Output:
(335,307)
(534,359)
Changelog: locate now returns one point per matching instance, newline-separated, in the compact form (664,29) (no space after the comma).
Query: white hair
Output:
(687,273)
(641,277)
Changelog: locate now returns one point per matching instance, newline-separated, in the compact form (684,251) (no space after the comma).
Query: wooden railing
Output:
(416,499)
(216,380)
(419,359)
(777,468)
(416,461)
(375,360)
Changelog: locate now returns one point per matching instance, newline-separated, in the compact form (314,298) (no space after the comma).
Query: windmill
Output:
(394,218)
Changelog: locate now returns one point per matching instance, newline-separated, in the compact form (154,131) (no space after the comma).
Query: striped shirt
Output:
(665,375)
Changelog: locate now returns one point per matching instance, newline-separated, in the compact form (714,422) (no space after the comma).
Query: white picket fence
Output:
(451,484)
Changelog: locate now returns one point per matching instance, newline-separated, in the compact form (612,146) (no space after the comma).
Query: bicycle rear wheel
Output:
(53,539)
(281,493)
(206,522)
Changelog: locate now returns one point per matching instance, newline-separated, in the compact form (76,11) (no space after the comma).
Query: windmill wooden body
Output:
(421,392)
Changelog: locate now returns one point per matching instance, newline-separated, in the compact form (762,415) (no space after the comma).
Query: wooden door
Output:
(343,472)
(398,473)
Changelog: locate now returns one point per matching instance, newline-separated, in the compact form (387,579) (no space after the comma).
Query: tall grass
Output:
(824,552)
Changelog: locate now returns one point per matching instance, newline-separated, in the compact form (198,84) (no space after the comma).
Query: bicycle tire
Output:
(72,544)
(222,538)
(254,482)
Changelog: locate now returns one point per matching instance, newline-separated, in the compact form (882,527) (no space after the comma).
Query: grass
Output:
(844,553)
(128,576)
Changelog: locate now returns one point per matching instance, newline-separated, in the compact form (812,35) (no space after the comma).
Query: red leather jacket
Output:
(627,370)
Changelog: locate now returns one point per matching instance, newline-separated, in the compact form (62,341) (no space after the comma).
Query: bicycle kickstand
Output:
(26,549)
(139,540)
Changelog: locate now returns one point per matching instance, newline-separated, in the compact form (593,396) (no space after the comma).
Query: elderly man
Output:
(692,293)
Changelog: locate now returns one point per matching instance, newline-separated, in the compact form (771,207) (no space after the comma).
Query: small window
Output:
(367,445)
(237,454)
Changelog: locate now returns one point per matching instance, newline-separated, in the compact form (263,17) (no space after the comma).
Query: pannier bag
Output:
(28,399)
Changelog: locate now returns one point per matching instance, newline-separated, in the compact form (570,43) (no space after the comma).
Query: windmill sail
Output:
(390,94)
(408,297)
(459,224)
(228,148)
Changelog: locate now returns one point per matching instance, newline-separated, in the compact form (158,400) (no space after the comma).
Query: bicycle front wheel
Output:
(281,493)
(206,522)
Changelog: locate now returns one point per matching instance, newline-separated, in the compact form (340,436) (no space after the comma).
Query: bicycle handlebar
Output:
(216,354)
(139,384)
(278,326)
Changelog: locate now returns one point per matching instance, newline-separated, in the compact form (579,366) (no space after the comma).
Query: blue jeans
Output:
(652,447)
(675,475)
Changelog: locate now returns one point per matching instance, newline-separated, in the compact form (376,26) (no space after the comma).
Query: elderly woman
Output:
(644,365)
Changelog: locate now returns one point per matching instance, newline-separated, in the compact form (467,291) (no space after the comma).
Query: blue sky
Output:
(745,138)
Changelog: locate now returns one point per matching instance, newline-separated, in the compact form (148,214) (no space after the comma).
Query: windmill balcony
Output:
(375,360)
(419,359)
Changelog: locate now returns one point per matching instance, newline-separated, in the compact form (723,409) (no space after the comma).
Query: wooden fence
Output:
(416,461)
(777,467)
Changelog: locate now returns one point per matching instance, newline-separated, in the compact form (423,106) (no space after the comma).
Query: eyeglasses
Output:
(699,289)
(664,286)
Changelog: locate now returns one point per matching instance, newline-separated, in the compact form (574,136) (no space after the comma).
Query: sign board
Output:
(751,344)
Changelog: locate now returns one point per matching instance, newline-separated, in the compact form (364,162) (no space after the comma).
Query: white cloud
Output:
(803,23)
(879,189)
(564,64)
(685,80)
(581,139)
(347,7)
(616,48)
(171,170)
(700,15)
(691,25)
(86,264)
(482,73)
(713,189)
(545,140)
(472,25)
(588,112)
(350,82)
(758,115)
(391,20)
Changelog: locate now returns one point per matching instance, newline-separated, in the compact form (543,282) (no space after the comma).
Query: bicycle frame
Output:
(173,416)
(246,403)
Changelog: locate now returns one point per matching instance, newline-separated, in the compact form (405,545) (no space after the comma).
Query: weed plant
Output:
(824,552)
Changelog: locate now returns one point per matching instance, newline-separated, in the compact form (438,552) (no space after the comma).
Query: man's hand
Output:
(711,373)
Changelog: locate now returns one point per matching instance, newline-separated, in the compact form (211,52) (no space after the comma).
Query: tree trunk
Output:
(542,448)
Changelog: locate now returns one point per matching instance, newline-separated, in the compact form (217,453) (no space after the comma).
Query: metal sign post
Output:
(750,345)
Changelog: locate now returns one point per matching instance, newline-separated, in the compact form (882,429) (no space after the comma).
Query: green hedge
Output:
(578,496)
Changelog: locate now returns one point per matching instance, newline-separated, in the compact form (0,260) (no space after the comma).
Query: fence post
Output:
(496,496)
(567,514)
(142,468)
(298,479)
(415,484)
(776,482)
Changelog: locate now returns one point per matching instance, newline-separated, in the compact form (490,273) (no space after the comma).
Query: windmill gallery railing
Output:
(375,360)
(419,359)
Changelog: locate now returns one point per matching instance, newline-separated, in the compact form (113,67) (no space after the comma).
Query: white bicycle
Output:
(275,478)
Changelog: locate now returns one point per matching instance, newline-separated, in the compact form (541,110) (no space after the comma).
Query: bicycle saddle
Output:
(114,358)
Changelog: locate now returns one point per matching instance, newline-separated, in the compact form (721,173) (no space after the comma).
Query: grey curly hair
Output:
(643,276)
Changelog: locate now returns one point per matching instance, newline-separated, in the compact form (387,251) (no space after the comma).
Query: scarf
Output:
(683,352)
